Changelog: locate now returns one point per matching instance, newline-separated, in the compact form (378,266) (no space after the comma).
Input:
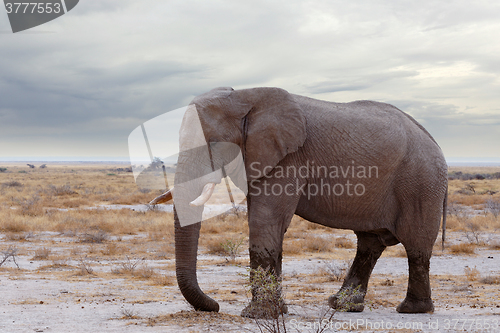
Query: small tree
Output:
(232,248)
(494,207)
(11,252)
(156,163)
(268,303)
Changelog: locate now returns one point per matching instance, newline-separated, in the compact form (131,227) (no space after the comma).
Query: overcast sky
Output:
(78,85)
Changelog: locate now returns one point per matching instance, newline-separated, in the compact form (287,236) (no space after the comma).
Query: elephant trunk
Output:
(186,250)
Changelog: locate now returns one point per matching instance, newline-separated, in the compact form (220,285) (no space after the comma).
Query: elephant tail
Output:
(445,207)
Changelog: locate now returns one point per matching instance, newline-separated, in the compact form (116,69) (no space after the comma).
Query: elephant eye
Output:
(213,144)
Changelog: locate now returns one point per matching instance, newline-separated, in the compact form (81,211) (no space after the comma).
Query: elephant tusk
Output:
(207,192)
(167,196)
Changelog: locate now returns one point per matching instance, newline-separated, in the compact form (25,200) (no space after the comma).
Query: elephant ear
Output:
(274,127)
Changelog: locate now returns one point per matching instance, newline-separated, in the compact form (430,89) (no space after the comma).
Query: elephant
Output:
(381,175)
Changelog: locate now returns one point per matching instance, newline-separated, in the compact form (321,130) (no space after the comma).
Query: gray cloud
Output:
(111,65)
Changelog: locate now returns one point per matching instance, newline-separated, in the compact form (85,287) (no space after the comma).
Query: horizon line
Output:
(459,161)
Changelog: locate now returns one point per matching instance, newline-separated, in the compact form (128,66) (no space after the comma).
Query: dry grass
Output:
(387,282)
(313,243)
(15,236)
(344,243)
(56,265)
(150,235)
(192,318)
(144,272)
(138,269)
(475,199)
(469,223)
(166,249)
(112,249)
(29,199)
(491,279)
(42,253)
(34,193)
(473,192)
(296,243)
(472,274)
(90,225)
(97,236)
(213,244)
(164,280)
(495,245)
(462,248)
(292,247)
(13,223)
(84,267)
(226,223)
(334,271)
(61,186)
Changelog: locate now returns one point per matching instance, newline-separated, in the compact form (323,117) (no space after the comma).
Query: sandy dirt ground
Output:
(52,296)
(81,287)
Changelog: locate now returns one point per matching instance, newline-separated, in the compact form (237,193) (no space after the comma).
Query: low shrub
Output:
(490,279)
(42,253)
(463,248)
(472,274)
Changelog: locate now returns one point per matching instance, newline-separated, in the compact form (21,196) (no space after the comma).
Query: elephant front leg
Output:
(351,295)
(267,228)
(265,281)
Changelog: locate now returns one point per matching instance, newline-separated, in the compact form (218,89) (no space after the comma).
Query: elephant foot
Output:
(412,305)
(264,311)
(347,300)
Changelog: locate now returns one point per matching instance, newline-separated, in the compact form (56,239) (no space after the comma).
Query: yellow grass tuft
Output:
(491,279)
(112,249)
(292,247)
(344,243)
(213,244)
(472,274)
(226,223)
(312,243)
(462,248)
(42,253)
(164,280)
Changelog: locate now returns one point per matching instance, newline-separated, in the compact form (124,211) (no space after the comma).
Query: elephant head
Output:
(264,124)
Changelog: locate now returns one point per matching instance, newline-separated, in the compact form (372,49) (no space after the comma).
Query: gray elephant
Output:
(363,166)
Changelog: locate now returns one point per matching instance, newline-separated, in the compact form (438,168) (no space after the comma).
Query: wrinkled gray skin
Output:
(404,204)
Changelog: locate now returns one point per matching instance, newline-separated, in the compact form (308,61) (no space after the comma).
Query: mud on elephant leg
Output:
(418,297)
(267,300)
(265,280)
(266,245)
(351,295)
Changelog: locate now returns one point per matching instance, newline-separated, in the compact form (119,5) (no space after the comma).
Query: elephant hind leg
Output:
(369,249)
(418,240)
(418,296)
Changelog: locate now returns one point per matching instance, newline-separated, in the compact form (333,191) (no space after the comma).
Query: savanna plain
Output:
(81,251)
